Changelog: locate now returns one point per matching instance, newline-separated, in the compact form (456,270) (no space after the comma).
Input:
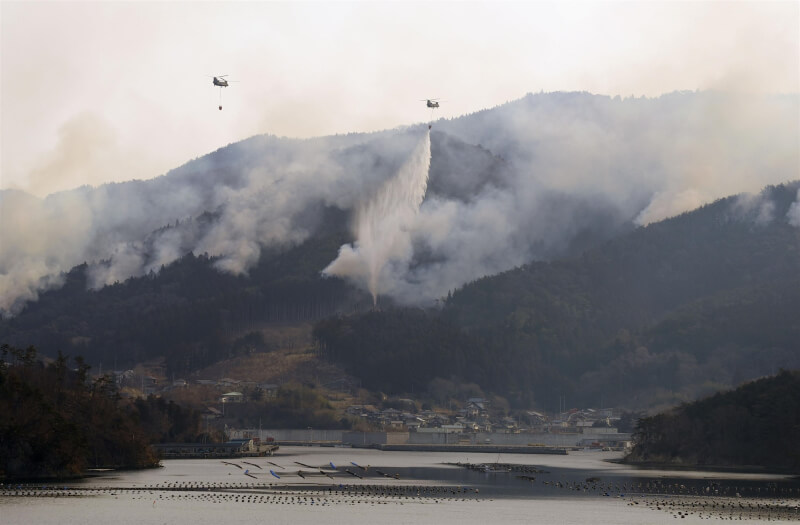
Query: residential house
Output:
(232,397)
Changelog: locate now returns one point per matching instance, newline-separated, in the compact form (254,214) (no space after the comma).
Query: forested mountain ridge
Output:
(663,314)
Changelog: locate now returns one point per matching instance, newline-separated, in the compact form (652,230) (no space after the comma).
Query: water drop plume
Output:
(382,227)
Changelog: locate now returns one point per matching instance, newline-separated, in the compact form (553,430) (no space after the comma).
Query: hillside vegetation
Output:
(189,313)
(757,424)
(666,313)
(57,423)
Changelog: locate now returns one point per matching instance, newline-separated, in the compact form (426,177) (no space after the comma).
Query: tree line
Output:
(757,424)
(58,422)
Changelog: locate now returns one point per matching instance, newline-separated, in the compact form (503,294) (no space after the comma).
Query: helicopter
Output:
(432,103)
(220,81)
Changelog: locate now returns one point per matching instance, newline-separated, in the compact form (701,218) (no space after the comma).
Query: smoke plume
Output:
(794,212)
(537,178)
(382,226)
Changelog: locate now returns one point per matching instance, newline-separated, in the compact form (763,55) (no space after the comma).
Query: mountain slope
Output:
(643,319)
(189,313)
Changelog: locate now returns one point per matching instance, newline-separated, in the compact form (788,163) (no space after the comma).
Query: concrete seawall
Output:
(515,441)
(495,449)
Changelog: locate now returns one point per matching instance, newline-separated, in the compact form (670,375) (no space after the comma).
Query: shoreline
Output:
(740,469)
(88,473)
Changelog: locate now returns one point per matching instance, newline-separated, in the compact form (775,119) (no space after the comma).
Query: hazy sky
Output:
(108,91)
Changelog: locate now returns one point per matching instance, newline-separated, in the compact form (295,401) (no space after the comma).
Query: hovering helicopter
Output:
(221,82)
(432,103)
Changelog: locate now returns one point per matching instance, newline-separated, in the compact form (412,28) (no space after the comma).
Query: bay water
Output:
(306,485)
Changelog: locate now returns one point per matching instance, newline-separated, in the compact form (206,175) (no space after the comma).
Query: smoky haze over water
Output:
(518,182)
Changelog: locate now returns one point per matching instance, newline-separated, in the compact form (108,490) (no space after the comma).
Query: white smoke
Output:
(670,154)
(127,229)
(509,185)
(758,209)
(476,238)
(382,226)
(793,215)
(669,203)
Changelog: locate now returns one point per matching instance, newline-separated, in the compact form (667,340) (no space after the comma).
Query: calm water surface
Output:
(405,487)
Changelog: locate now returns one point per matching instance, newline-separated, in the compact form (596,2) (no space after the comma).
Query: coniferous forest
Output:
(57,422)
(757,424)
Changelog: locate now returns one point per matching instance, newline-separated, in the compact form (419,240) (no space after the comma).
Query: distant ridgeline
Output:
(758,424)
(56,423)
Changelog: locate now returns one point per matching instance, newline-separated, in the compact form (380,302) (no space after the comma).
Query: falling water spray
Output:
(382,225)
